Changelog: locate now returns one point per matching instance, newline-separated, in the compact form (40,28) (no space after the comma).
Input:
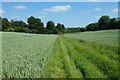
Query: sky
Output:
(71,14)
(60,0)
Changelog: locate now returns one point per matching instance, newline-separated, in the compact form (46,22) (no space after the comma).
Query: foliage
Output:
(72,30)
(9,30)
(5,24)
(50,25)
(103,22)
(60,27)
(18,24)
(35,25)
(114,24)
(82,29)
(92,27)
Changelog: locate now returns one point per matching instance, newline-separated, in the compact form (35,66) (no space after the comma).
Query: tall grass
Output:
(108,66)
(60,65)
(88,69)
(105,37)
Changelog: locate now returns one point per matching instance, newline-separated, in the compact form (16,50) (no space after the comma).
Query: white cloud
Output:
(98,9)
(56,9)
(115,10)
(2,11)
(41,16)
(92,0)
(14,17)
(20,7)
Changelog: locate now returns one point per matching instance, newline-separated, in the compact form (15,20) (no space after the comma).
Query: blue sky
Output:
(60,0)
(71,14)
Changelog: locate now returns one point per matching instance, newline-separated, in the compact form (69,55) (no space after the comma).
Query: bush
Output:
(10,30)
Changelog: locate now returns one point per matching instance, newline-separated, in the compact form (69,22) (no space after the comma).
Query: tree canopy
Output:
(35,25)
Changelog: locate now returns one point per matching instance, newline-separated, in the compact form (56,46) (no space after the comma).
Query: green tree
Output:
(0,23)
(74,29)
(51,27)
(33,23)
(60,27)
(82,29)
(18,24)
(118,23)
(103,22)
(10,30)
(92,27)
(113,23)
(36,24)
(5,24)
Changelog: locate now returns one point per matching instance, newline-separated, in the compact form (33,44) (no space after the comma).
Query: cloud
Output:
(14,17)
(2,11)
(115,10)
(92,0)
(56,9)
(97,9)
(41,16)
(20,7)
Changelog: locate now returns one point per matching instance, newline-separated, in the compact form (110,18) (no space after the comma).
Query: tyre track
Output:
(87,69)
(103,63)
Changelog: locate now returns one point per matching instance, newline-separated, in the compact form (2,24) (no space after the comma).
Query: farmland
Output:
(76,55)
(25,55)
(105,37)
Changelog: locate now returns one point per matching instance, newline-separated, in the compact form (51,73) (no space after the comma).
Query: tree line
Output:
(35,25)
(104,23)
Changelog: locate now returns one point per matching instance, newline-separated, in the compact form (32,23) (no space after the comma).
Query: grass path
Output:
(72,58)
(60,65)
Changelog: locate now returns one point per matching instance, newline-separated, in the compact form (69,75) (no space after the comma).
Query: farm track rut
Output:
(75,63)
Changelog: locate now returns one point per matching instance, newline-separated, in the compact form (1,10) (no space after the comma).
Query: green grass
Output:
(104,63)
(87,69)
(60,65)
(77,55)
(105,37)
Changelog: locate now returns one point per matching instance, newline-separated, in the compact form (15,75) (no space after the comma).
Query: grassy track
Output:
(108,66)
(60,64)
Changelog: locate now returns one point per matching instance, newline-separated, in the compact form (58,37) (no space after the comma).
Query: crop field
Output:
(105,37)
(75,55)
(25,55)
